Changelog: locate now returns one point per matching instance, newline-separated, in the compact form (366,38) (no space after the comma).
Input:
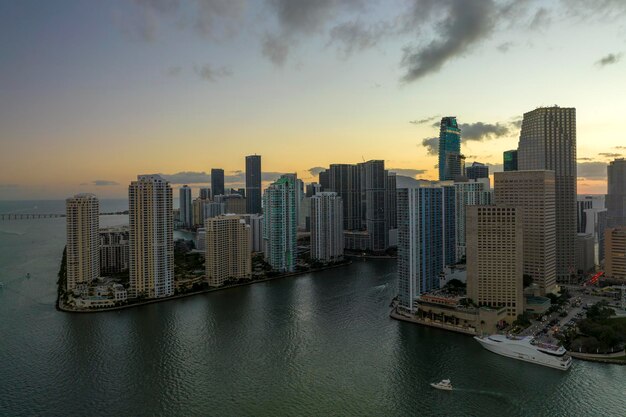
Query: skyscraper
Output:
(228,255)
(495,258)
(424,240)
(205,193)
(373,200)
(468,193)
(510,160)
(186,208)
(324,179)
(582,204)
(548,142)
(477,170)
(615,264)
(533,194)
(253,184)
(450,158)
(151,237)
(83,254)
(390,201)
(279,225)
(113,250)
(345,180)
(616,196)
(326,227)
(217,181)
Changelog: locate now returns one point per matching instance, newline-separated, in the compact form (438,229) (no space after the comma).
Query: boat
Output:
(527,349)
(28,275)
(443,385)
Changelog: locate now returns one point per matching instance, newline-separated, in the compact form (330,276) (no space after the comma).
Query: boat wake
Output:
(493,394)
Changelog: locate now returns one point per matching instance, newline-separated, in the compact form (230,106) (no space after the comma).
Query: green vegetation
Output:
(456,287)
(62,281)
(598,332)
(523,320)
(187,264)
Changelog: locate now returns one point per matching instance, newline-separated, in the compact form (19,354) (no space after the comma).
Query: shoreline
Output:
(65,309)
(400,317)
(609,358)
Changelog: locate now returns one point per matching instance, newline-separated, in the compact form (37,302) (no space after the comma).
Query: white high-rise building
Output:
(151,237)
(326,227)
(228,255)
(83,255)
(186,208)
(469,193)
(255,221)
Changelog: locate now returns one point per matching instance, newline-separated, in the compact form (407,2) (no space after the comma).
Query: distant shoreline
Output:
(65,309)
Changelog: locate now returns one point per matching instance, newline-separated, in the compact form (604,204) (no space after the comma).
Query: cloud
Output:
(592,170)
(8,186)
(431,145)
(619,147)
(173,71)
(188,177)
(355,36)
(315,171)
(208,73)
(426,120)
(541,19)
(504,47)
(480,131)
(609,60)
(584,159)
(610,154)
(275,49)
(104,183)
(408,172)
(495,167)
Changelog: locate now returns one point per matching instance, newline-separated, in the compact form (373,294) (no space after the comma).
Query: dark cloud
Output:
(201,177)
(104,183)
(406,182)
(609,60)
(408,172)
(584,159)
(355,36)
(208,73)
(504,47)
(541,19)
(517,123)
(592,170)
(275,49)
(610,154)
(480,131)
(431,145)
(619,147)
(315,171)
(426,120)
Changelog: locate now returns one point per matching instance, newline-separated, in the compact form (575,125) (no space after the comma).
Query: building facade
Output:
(114,250)
(533,193)
(495,260)
(253,184)
(151,240)
(477,170)
(373,203)
(326,227)
(510,160)
(548,142)
(615,252)
(449,149)
(616,193)
(217,182)
(228,255)
(186,208)
(468,193)
(82,247)
(279,225)
(390,202)
(255,221)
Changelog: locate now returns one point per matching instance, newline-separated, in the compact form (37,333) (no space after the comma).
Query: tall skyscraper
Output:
(615,261)
(255,221)
(113,250)
(228,255)
(151,237)
(548,142)
(345,180)
(390,201)
(253,184)
(324,180)
(205,193)
(186,208)
(582,204)
(312,189)
(468,193)
(510,160)
(217,181)
(279,225)
(82,253)
(616,196)
(450,158)
(326,227)
(424,240)
(533,193)
(495,258)
(373,203)
(477,170)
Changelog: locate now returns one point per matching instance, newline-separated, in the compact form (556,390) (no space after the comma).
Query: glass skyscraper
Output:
(279,225)
(217,181)
(510,160)
(253,184)
(450,158)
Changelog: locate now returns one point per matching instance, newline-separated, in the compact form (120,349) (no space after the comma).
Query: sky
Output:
(93,93)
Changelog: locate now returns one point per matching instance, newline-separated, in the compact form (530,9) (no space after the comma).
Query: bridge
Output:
(30,216)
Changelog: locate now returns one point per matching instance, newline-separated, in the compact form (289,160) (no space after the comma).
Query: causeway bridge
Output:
(30,216)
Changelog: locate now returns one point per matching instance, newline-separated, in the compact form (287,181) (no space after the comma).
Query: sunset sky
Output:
(93,93)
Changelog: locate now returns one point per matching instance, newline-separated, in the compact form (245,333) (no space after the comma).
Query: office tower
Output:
(476,171)
(151,237)
(228,256)
(373,199)
(596,223)
(390,201)
(201,239)
(449,149)
(615,261)
(199,211)
(345,180)
(298,192)
(326,227)
(217,182)
(312,189)
(583,202)
(468,193)
(114,250)
(423,239)
(495,260)
(186,208)
(304,219)
(533,193)
(585,259)
(548,141)
(82,254)
(510,160)
(213,209)
(255,221)
(205,193)
(324,179)
(233,203)
(253,184)
(279,225)
(616,193)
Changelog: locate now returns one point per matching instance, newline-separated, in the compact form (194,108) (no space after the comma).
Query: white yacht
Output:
(444,385)
(527,349)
